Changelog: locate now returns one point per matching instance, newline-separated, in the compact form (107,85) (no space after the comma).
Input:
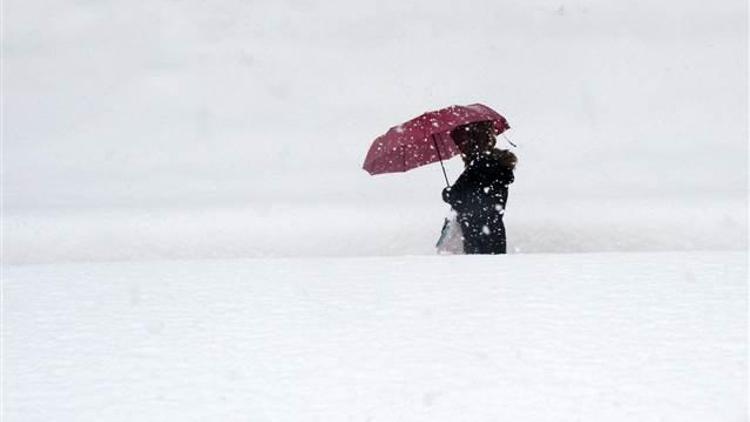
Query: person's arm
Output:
(506,176)
(456,195)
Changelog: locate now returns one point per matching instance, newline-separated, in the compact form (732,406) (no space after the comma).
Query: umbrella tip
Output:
(509,141)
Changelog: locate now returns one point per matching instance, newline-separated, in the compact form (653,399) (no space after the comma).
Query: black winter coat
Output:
(479,197)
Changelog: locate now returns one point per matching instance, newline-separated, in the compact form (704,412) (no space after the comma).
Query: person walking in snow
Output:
(480,194)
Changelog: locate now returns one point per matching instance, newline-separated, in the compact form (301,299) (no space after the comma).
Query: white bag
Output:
(451,240)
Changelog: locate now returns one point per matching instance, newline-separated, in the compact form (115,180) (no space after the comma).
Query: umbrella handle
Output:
(434,140)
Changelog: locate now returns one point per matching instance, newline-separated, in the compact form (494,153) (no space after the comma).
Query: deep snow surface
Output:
(581,337)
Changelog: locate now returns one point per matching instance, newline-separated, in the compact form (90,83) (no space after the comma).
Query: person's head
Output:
(474,138)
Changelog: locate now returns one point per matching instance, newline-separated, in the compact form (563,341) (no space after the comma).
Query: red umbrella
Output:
(426,139)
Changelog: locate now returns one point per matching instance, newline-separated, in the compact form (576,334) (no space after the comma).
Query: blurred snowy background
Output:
(161,133)
(191,129)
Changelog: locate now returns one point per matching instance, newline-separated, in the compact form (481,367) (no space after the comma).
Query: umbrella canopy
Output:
(426,139)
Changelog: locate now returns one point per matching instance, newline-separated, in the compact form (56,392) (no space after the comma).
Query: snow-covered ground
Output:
(589,337)
(187,233)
